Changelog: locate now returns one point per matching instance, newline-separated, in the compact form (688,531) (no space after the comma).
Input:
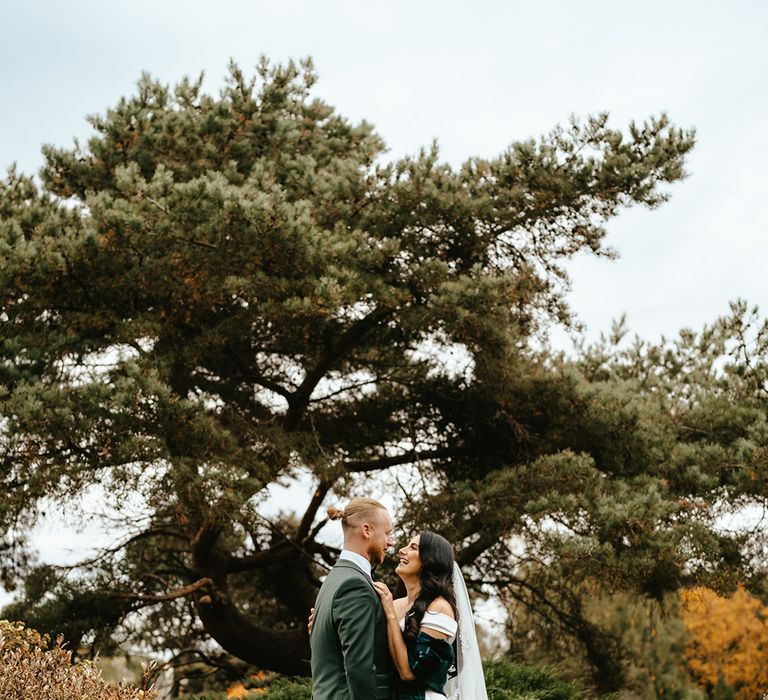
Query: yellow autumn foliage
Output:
(238,690)
(729,640)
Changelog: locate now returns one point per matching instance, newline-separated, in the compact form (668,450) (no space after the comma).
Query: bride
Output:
(423,625)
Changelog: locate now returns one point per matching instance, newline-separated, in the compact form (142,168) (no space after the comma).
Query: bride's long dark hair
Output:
(436,579)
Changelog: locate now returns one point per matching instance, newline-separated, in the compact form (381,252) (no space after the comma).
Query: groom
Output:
(350,655)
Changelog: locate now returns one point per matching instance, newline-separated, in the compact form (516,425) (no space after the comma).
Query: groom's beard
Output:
(375,555)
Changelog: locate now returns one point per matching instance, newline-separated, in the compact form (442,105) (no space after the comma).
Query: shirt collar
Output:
(355,558)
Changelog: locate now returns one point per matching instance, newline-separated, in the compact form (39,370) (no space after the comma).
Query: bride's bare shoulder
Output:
(441,605)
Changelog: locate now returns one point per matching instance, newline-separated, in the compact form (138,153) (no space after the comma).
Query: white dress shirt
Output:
(361,562)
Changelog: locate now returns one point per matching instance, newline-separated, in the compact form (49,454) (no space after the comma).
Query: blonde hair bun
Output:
(358,511)
(334,513)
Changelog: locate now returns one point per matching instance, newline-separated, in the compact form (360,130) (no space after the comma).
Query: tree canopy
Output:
(215,293)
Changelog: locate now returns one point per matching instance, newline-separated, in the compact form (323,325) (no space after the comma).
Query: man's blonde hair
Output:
(358,511)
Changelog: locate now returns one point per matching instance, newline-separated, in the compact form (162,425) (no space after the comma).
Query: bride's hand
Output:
(387,601)
(310,620)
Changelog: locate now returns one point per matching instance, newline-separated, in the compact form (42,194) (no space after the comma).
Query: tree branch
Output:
(396,460)
(331,353)
(171,595)
(247,373)
(281,552)
(306,522)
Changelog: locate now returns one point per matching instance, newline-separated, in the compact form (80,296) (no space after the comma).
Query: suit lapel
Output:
(347,564)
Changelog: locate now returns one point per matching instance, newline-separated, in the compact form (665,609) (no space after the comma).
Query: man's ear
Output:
(365,528)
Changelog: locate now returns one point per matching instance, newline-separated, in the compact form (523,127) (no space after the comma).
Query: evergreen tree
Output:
(217,292)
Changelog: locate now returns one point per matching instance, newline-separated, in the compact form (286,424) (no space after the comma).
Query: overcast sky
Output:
(475,76)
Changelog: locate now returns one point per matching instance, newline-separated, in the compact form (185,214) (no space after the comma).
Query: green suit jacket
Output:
(350,655)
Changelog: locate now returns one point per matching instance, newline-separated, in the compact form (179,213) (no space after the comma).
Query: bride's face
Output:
(410,562)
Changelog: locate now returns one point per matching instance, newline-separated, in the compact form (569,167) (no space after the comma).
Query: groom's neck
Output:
(357,549)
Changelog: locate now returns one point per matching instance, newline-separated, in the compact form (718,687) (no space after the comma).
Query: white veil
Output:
(469,683)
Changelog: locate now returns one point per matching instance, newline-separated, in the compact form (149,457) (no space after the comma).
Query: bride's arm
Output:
(397,648)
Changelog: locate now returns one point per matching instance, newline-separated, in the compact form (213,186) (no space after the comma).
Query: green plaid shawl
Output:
(430,660)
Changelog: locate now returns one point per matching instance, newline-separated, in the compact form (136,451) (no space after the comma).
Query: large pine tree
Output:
(216,292)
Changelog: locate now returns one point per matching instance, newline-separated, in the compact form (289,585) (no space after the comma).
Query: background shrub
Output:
(29,670)
(507,680)
(14,635)
(279,689)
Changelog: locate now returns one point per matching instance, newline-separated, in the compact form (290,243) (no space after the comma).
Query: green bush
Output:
(504,679)
(289,689)
(507,680)
(280,689)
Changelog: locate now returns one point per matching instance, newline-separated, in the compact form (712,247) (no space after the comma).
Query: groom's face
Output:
(381,540)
